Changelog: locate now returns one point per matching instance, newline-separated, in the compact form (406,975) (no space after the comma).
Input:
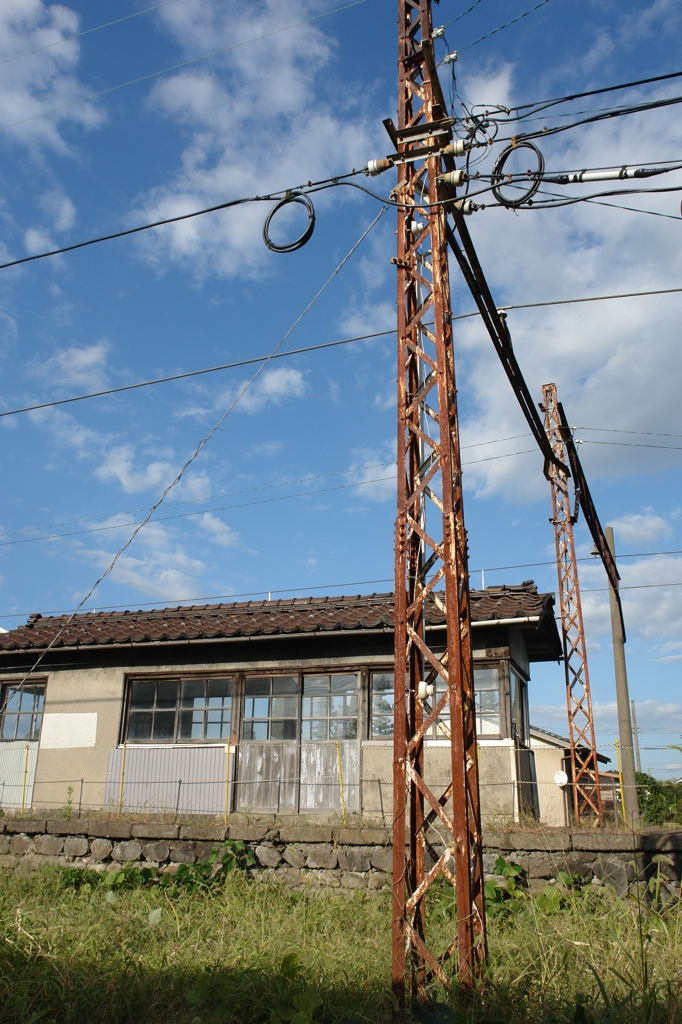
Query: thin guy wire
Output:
(86,32)
(463,14)
(183,64)
(204,441)
(327,344)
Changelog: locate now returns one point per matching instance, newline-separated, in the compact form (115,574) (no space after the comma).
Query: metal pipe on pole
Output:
(627,752)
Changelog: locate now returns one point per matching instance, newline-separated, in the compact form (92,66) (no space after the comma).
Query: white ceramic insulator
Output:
(466,206)
(455,178)
(457,148)
(422,690)
(375,167)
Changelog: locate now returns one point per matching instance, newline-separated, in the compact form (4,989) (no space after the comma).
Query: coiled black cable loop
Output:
(498,177)
(291,197)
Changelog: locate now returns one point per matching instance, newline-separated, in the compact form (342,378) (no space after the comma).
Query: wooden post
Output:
(343,802)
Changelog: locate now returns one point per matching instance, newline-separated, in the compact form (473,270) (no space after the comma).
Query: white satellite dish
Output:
(561,778)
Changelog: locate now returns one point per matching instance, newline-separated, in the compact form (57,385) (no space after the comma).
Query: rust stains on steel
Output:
(587,799)
(430,559)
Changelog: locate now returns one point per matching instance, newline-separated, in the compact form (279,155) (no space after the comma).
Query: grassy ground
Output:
(253,952)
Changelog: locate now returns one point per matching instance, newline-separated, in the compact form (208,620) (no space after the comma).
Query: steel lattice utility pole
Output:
(430,556)
(584,764)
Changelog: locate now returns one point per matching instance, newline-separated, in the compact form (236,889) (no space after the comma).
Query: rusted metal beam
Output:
(430,557)
(587,799)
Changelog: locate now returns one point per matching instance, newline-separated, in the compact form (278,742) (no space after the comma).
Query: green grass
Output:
(253,952)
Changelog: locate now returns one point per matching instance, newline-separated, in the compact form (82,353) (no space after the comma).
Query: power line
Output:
(86,32)
(323,345)
(618,430)
(501,27)
(182,64)
(632,444)
(247,490)
(329,586)
(243,504)
(543,104)
(463,14)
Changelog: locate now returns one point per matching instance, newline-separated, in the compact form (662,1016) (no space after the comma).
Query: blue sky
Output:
(274,111)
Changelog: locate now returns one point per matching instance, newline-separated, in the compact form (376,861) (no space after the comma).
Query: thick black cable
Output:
(544,104)
(620,112)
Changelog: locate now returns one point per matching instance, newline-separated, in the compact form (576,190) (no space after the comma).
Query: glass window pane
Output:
(256,707)
(188,728)
(382,704)
(9,724)
(140,725)
(345,706)
(382,725)
(343,729)
(315,684)
(488,701)
(382,681)
(142,695)
(166,693)
(344,684)
(192,693)
(219,688)
(314,730)
(315,707)
(486,678)
(284,707)
(164,725)
(254,687)
(14,700)
(255,730)
(284,729)
(285,684)
(23,727)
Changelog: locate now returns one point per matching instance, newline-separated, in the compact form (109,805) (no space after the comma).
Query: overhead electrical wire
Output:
(463,14)
(182,64)
(86,32)
(247,490)
(544,104)
(500,28)
(244,504)
(323,345)
(189,601)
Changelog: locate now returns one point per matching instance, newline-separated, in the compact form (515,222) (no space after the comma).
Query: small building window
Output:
(487,691)
(179,710)
(271,708)
(22,711)
(329,709)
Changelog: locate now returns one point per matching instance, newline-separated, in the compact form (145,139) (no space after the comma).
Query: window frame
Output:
(242,698)
(15,684)
(178,679)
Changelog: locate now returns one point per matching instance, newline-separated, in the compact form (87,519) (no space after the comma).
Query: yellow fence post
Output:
(620,782)
(123,775)
(343,802)
(23,788)
(227,781)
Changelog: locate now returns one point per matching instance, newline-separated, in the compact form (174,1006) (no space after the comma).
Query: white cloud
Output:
(119,464)
(374,470)
(653,716)
(64,429)
(640,528)
(59,209)
(652,610)
(75,367)
(271,112)
(41,81)
(157,565)
(36,240)
(218,531)
(272,388)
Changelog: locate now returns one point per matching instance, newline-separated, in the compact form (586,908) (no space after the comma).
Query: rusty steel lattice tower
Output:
(584,766)
(430,557)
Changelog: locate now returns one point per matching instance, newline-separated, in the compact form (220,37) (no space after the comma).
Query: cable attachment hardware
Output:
(460,147)
(450,58)
(375,167)
(454,178)
(466,206)
(301,199)
(438,33)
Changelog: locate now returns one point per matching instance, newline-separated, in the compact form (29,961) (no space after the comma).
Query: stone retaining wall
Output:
(317,856)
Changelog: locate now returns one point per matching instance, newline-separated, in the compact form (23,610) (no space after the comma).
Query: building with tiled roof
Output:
(251,705)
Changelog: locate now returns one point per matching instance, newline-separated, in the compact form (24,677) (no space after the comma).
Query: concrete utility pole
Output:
(627,752)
